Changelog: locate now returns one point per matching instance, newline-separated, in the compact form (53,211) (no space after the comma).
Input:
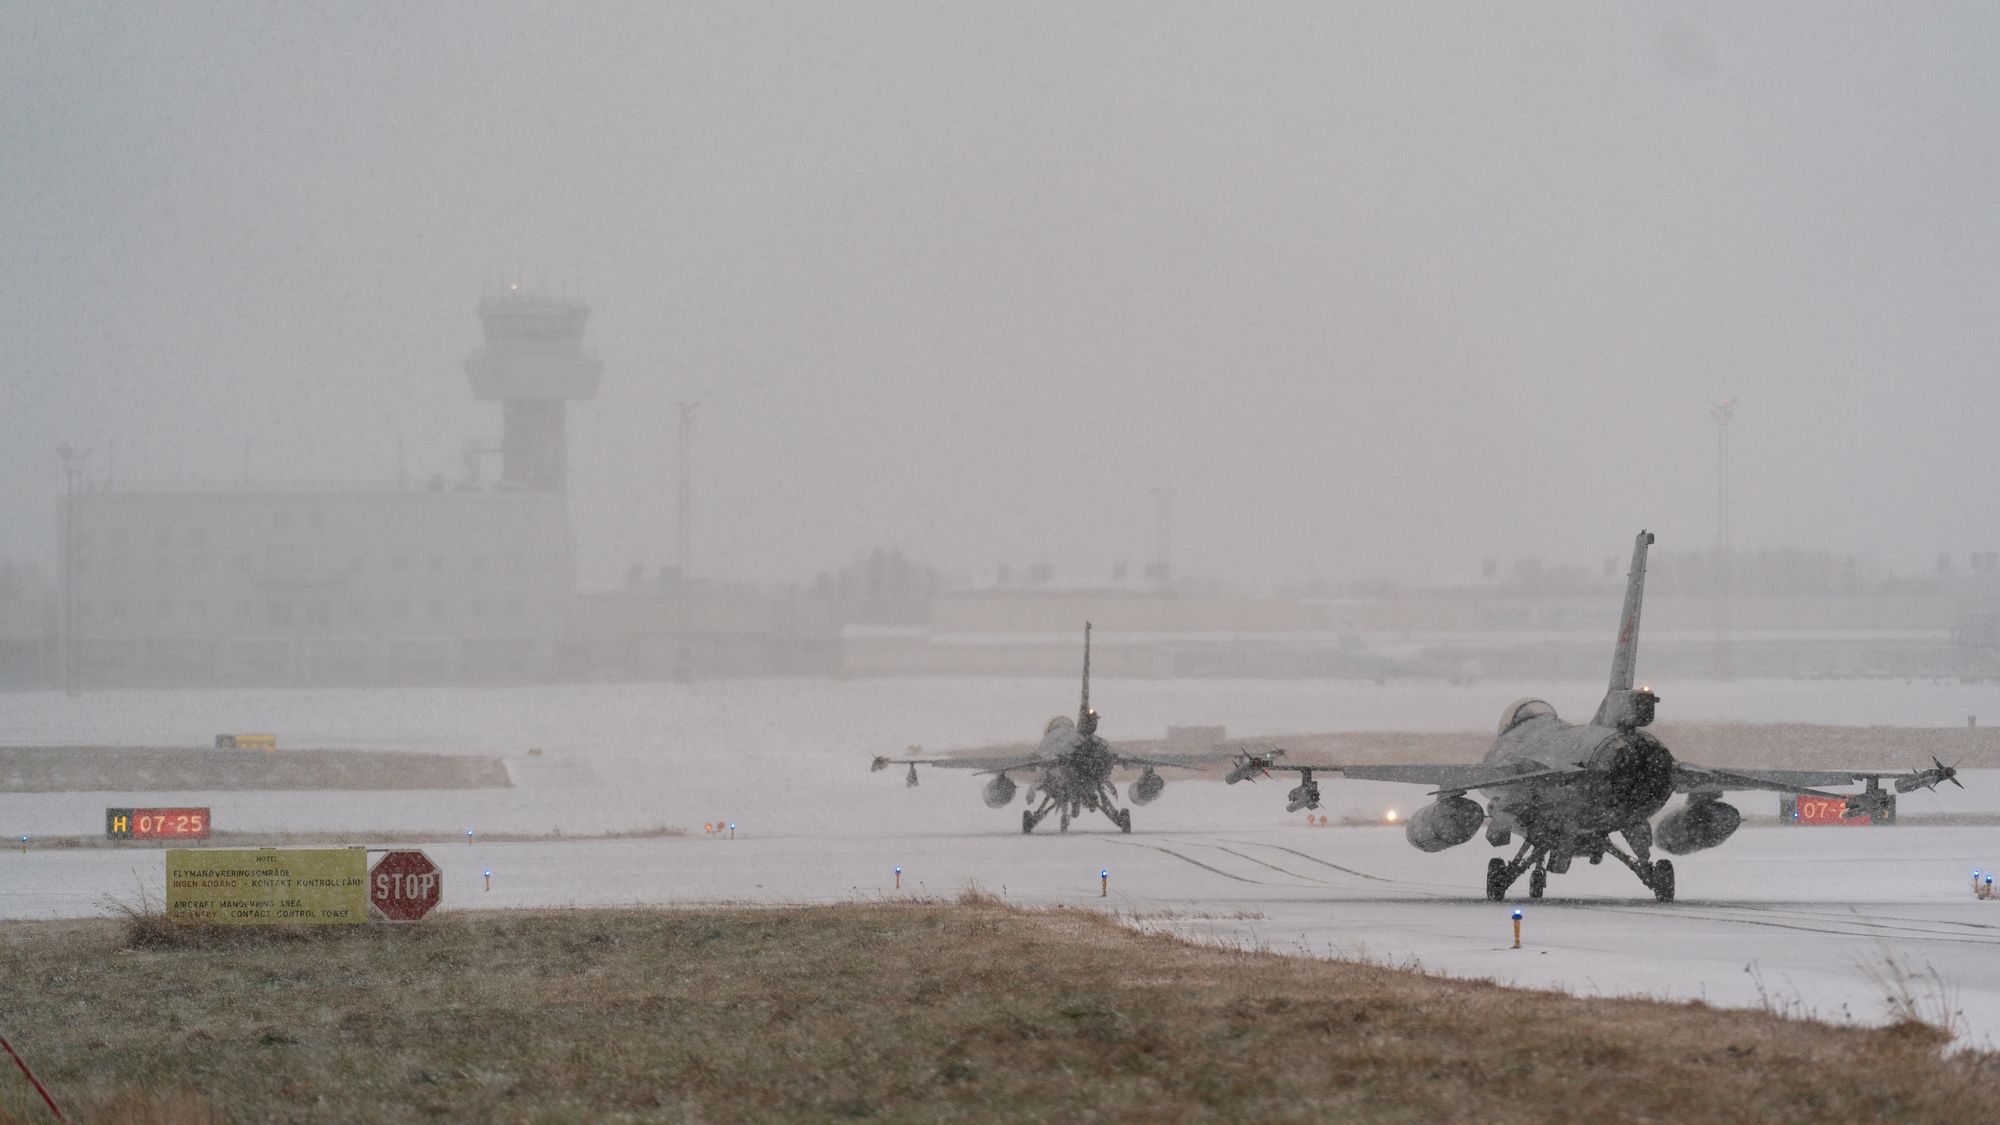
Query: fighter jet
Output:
(1566,788)
(1069,772)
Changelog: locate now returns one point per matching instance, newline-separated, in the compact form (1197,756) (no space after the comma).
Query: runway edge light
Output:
(1104,883)
(1517,927)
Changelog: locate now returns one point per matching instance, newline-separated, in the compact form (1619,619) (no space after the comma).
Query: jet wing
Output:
(1458,778)
(1177,761)
(983,765)
(1695,779)
(1449,778)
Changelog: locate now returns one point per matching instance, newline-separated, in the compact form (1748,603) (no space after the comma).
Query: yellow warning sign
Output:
(287,886)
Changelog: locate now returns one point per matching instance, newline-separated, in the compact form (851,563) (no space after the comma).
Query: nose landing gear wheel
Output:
(1662,881)
(1027,822)
(1496,879)
(1538,881)
(1065,820)
(1125,820)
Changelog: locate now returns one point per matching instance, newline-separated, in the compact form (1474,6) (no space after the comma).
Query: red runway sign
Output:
(156,824)
(1826,810)
(403,886)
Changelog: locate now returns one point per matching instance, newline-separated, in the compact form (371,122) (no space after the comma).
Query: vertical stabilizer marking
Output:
(1625,658)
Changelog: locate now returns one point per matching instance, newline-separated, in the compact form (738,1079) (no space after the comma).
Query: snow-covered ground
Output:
(1814,920)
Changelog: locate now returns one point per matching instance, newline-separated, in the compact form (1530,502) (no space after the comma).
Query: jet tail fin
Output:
(1083,708)
(1620,706)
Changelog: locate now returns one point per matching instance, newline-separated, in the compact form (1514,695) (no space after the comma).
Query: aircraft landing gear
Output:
(1662,881)
(1065,820)
(1501,874)
(1658,876)
(1124,819)
(1030,819)
(1538,881)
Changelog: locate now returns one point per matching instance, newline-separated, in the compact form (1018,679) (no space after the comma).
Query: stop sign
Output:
(403,886)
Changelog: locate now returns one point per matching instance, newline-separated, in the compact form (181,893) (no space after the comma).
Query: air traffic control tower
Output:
(533,362)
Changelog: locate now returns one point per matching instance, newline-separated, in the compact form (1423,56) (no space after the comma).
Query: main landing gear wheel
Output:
(1065,820)
(1538,881)
(1662,881)
(1496,879)
(1027,822)
(1125,820)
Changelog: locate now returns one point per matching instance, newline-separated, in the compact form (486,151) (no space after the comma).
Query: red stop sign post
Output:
(403,886)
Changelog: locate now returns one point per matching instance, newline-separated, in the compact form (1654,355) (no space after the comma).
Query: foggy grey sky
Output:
(1375,288)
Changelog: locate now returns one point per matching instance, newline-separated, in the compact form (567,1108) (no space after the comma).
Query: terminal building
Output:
(346,584)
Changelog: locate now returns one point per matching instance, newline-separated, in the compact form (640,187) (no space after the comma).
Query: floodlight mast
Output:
(1722,412)
(683,516)
(73,463)
(1163,500)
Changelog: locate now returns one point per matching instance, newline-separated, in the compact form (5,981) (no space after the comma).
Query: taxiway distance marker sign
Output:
(403,886)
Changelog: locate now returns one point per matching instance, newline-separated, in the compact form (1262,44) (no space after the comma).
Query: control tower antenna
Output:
(533,362)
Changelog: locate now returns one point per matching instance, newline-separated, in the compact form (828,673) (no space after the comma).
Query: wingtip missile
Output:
(1250,766)
(1928,778)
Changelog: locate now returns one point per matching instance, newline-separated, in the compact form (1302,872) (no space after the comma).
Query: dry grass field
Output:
(926,1011)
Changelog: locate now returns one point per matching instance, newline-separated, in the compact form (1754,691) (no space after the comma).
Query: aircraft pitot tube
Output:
(1444,823)
(1697,825)
(998,792)
(1148,787)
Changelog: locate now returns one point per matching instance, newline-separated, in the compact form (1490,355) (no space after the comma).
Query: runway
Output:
(1810,921)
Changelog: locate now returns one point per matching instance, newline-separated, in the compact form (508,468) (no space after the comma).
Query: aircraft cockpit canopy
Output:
(1521,710)
(1058,723)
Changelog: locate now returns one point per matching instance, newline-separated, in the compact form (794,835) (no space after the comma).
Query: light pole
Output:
(1721,412)
(73,465)
(683,517)
(1163,567)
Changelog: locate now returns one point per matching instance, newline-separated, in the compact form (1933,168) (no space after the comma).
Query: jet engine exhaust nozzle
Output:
(1636,775)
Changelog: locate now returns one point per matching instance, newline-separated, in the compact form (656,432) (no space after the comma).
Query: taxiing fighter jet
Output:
(1069,772)
(1566,788)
